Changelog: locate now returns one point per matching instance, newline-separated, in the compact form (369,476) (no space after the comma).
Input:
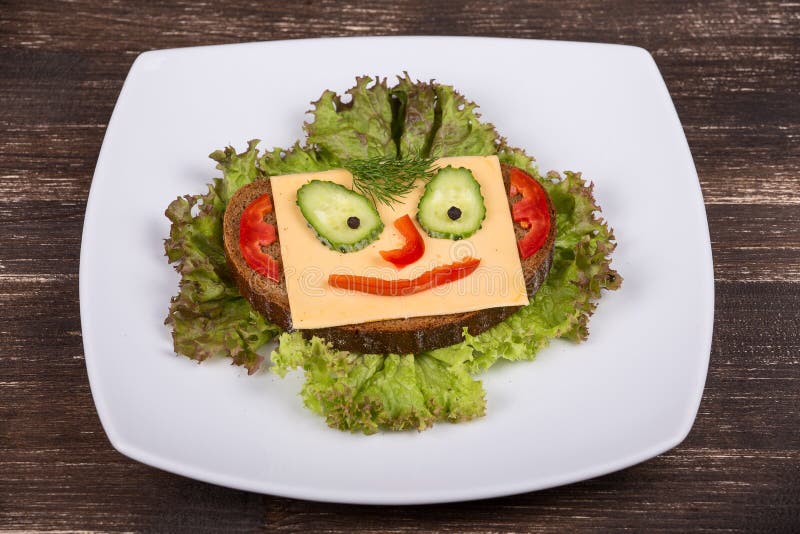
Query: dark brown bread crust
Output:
(400,336)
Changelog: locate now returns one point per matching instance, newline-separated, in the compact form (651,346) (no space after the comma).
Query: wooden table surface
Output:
(733,69)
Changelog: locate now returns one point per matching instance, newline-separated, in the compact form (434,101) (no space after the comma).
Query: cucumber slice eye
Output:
(342,219)
(452,206)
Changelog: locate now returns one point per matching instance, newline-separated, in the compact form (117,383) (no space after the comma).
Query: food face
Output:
(460,218)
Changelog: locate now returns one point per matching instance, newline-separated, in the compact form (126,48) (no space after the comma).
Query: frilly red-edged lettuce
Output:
(368,392)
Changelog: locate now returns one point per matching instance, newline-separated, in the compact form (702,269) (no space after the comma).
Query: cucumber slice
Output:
(342,219)
(452,205)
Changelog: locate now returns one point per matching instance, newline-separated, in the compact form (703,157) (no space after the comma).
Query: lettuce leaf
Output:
(360,128)
(460,131)
(417,120)
(437,120)
(295,159)
(368,392)
(208,316)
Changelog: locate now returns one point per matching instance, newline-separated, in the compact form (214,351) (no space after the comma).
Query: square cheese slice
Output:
(307,263)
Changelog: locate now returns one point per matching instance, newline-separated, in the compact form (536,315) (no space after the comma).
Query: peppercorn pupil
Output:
(454,213)
(353,222)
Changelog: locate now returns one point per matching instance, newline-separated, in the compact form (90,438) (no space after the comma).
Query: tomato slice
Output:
(254,233)
(413,249)
(398,288)
(530,211)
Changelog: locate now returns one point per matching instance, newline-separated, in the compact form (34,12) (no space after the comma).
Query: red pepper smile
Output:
(398,288)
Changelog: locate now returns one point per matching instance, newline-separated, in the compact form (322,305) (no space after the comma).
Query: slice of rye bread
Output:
(399,336)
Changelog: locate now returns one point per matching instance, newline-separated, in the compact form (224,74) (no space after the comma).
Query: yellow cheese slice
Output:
(307,263)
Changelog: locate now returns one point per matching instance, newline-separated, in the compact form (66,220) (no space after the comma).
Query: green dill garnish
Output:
(387,179)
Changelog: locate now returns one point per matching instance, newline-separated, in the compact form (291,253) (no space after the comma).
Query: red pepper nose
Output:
(412,250)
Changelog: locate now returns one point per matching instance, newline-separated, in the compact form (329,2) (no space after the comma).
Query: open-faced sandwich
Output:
(448,257)
(403,248)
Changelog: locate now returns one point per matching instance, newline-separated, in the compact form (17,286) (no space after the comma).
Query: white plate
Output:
(578,411)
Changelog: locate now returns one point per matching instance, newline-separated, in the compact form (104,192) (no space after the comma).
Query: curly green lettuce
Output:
(359,128)
(416,103)
(208,316)
(366,392)
(439,121)
(369,392)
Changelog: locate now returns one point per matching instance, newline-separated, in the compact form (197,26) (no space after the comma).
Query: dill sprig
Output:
(387,179)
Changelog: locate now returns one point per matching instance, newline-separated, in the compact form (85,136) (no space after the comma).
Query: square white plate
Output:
(578,411)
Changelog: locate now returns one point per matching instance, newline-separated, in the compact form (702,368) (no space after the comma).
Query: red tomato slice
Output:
(398,288)
(254,233)
(530,211)
(413,249)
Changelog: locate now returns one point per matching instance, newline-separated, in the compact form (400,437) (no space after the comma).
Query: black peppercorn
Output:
(454,213)
(353,222)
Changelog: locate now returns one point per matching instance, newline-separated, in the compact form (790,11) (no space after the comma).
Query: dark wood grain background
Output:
(733,69)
